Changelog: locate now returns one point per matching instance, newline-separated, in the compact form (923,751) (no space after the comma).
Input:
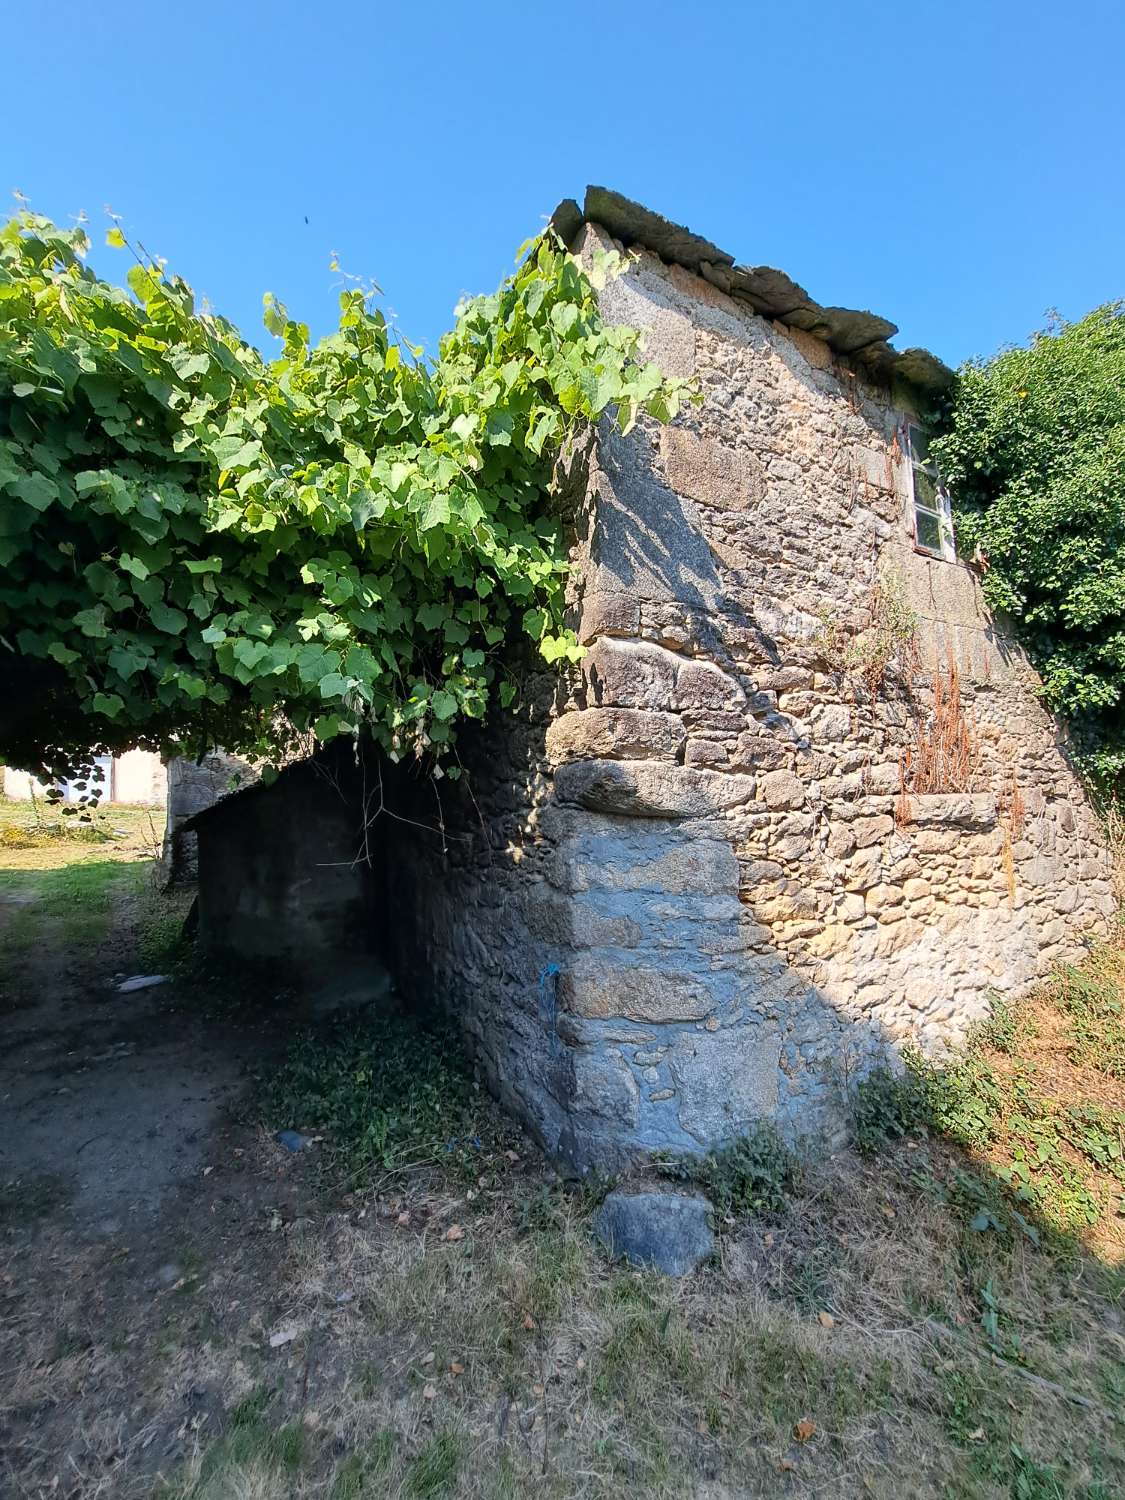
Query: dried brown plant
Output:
(946,753)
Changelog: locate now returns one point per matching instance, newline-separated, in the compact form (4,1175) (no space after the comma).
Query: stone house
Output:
(799,804)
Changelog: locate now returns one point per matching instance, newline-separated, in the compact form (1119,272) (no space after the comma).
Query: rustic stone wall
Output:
(192,787)
(697,884)
(793,913)
(684,892)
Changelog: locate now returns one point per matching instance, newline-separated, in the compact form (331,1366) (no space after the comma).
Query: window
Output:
(933,513)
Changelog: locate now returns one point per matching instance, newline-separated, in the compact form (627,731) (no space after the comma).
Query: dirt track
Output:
(124,1171)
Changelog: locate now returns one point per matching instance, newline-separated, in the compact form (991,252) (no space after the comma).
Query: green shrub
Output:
(46,835)
(751,1175)
(1035,458)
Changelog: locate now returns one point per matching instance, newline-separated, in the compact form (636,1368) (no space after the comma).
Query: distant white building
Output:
(138,776)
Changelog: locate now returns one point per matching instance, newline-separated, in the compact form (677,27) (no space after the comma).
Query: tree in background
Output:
(1034,454)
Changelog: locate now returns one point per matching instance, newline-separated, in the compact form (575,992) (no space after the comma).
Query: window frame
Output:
(941,511)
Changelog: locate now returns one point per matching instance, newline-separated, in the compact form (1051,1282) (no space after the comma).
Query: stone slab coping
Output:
(771,293)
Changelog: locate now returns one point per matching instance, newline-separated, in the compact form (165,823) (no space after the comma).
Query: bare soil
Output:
(123,1166)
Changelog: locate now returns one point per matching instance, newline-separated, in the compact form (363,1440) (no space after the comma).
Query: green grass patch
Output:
(365,1472)
(1057,1156)
(392,1096)
(435,1470)
(649,1340)
(160,943)
(1092,998)
(69,907)
(252,1451)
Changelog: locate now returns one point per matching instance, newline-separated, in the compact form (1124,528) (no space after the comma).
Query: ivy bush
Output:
(1034,453)
(201,546)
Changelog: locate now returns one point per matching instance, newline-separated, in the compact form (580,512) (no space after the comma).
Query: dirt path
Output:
(110,1096)
(106,1097)
(124,1170)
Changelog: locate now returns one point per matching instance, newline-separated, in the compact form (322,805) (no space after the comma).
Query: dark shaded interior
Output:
(322,871)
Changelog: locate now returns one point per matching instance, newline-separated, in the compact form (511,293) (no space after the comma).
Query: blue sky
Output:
(955,166)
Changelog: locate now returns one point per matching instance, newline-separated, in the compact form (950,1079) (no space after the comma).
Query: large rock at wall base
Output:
(666,1232)
(727,1079)
(616,734)
(650,789)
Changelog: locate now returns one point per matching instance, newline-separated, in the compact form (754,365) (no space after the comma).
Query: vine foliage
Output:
(200,545)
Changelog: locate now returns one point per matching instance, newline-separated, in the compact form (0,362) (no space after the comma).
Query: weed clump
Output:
(391,1095)
(888,638)
(754,1174)
(47,835)
(885,1107)
(1035,1094)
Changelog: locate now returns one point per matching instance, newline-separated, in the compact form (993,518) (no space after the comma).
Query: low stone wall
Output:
(192,787)
(281,871)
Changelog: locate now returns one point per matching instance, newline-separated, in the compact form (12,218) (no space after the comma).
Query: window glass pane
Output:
(928,531)
(919,445)
(926,490)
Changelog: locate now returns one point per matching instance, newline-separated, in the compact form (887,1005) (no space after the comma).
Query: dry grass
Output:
(39,837)
(946,752)
(514,1360)
(1113,826)
(878,1336)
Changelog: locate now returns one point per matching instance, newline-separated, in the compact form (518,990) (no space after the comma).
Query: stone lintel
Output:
(960,809)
